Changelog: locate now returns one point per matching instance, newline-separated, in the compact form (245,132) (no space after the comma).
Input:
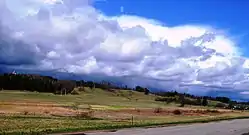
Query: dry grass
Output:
(158,110)
(33,125)
(99,111)
(37,110)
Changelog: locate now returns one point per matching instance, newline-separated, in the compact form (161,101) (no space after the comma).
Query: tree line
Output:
(35,83)
(175,93)
(39,83)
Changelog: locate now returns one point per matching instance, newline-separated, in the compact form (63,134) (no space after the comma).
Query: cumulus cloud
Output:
(74,36)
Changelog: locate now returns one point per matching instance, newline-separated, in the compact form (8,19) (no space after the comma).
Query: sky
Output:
(198,47)
(229,15)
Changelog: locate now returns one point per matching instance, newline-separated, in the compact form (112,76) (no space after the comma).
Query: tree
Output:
(223,99)
(139,89)
(90,84)
(33,82)
(198,101)
(182,100)
(204,101)
(80,83)
(231,104)
(146,91)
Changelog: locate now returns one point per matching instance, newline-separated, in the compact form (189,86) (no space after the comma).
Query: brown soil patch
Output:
(152,112)
(127,113)
(33,108)
(36,110)
(29,103)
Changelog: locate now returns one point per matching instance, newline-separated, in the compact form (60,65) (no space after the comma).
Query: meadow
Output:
(23,112)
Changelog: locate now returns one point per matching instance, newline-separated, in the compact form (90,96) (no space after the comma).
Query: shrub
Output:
(137,110)
(75,106)
(159,99)
(220,105)
(146,91)
(165,99)
(182,100)
(25,112)
(204,101)
(158,110)
(85,114)
(46,112)
(199,111)
(190,102)
(198,101)
(177,112)
(212,111)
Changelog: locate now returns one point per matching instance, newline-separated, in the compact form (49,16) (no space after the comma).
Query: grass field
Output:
(31,112)
(93,97)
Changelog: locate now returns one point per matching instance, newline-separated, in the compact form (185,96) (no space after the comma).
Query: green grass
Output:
(108,100)
(119,99)
(14,125)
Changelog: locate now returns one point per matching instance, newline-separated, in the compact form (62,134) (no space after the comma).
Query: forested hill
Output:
(34,82)
(39,83)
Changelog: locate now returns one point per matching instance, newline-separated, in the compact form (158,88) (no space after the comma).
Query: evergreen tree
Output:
(146,91)
(198,101)
(182,100)
(204,101)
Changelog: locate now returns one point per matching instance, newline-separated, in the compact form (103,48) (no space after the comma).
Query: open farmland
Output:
(32,112)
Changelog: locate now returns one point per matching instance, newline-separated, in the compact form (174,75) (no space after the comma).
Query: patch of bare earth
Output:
(32,108)
(36,108)
(127,113)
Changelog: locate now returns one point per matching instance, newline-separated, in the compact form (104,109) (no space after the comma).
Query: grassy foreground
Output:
(43,113)
(21,125)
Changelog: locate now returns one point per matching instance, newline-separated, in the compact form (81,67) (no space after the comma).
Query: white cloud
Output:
(245,93)
(74,36)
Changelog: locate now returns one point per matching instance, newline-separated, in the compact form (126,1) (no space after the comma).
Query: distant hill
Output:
(49,84)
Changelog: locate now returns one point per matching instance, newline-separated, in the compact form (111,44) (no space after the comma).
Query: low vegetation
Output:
(32,113)
(177,112)
(21,125)
(67,106)
(158,110)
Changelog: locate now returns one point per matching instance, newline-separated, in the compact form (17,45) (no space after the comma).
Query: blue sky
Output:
(231,15)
